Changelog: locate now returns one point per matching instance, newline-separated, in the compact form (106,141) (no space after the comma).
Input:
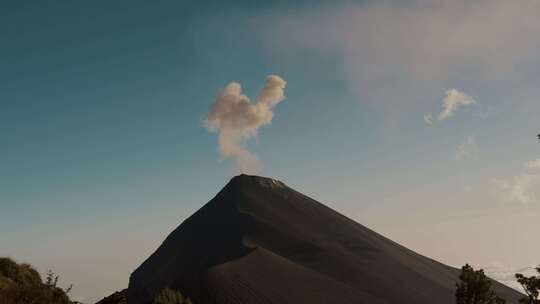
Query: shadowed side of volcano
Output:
(211,236)
(259,241)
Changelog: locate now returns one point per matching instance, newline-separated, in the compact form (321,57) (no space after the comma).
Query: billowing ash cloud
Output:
(453,100)
(236,119)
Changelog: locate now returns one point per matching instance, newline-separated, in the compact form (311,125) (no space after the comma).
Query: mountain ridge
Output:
(259,241)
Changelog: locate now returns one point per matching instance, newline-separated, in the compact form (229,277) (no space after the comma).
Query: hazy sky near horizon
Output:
(416,118)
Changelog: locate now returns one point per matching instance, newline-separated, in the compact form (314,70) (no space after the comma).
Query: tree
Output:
(531,285)
(475,288)
(52,282)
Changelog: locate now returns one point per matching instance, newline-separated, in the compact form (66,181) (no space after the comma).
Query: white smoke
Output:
(236,120)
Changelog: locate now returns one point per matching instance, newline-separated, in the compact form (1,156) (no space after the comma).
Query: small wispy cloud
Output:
(506,274)
(467,149)
(522,188)
(428,119)
(453,100)
(534,164)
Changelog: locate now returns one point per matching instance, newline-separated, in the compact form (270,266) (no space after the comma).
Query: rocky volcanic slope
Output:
(259,241)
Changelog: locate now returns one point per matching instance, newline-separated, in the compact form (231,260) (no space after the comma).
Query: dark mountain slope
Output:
(259,241)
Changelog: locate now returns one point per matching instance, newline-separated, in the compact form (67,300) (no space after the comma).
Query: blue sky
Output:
(104,149)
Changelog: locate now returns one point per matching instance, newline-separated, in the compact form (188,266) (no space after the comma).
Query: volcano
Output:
(259,241)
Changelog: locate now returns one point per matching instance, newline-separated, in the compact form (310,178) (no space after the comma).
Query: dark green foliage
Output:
(475,288)
(169,296)
(531,285)
(21,284)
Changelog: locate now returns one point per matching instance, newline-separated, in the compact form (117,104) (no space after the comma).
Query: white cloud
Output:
(426,38)
(506,274)
(236,119)
(534,164)
(453,100)
(523,188)
(428,119)
(396,53)
(467,149)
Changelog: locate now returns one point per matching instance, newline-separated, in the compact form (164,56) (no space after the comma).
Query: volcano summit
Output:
(259,241)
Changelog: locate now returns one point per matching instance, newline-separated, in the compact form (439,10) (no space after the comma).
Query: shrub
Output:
(22,284)
(475,288)
(170,296)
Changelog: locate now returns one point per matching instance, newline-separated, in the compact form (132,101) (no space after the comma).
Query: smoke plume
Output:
(236,120)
